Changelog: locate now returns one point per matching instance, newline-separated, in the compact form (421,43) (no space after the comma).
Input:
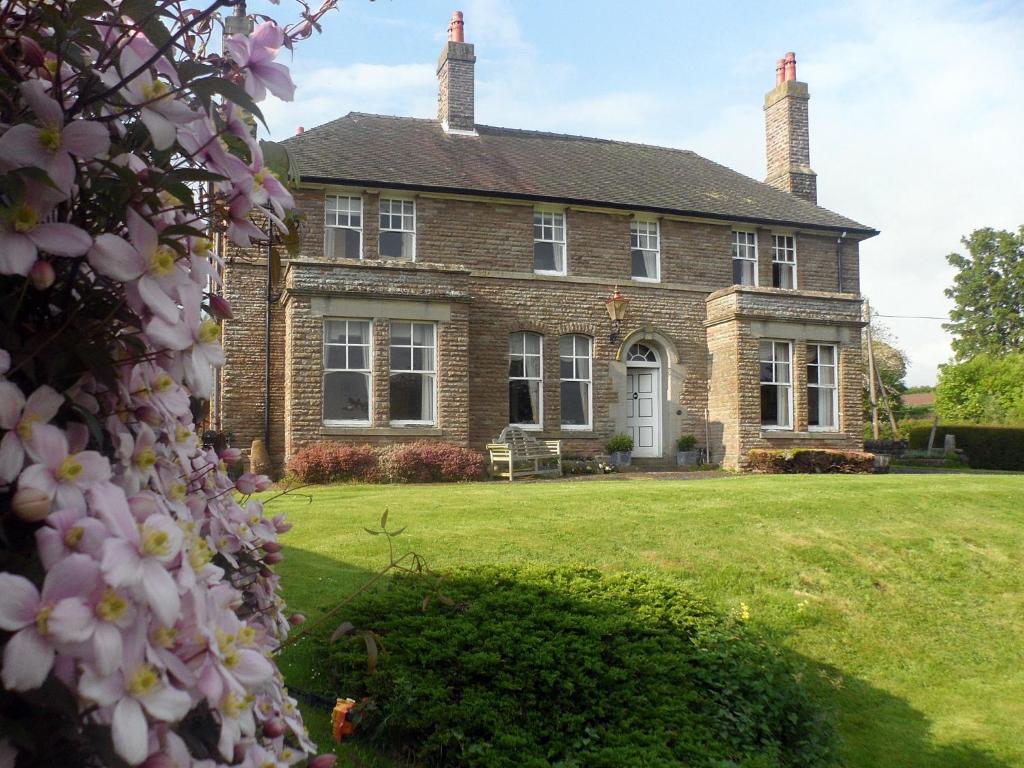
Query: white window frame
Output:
(589,379)
(432,373)
(382,229)
(635,240)
(773,362)
(735,249)
(785,250)
(539,379)
(543,212)
(834,387)
(328,227)
(368,370)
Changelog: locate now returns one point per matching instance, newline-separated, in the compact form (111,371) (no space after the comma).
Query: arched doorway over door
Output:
(643,399)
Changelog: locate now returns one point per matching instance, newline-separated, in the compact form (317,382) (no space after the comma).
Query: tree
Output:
(890,363)
(988,292)
(139,609)
(984,390)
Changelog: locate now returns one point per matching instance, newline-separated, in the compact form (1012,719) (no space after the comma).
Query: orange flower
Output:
(340,726)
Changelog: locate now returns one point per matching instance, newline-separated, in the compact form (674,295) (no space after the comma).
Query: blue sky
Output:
(916,110)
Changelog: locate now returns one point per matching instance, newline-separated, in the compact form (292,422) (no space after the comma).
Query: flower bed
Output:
(418,462)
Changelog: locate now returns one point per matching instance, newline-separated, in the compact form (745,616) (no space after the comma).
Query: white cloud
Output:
(915,125)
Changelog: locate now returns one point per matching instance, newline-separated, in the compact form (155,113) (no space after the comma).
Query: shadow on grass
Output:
(874,727)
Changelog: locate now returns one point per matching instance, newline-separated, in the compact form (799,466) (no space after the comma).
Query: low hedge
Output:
(986,446)
(533,667)
(810,461)
(420,462)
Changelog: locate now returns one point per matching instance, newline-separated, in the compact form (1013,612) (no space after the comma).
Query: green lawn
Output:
(905,594)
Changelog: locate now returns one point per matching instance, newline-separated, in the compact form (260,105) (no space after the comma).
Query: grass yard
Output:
(904,594)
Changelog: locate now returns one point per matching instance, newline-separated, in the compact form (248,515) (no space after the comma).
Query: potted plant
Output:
(686,451)
(620,450)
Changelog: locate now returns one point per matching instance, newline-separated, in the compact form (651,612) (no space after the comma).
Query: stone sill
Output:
(782,434)
(414,431)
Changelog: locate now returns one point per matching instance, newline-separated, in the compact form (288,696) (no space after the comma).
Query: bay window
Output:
(343,227)
(346,381)
(776,384)
(574,362)
(822,387)
(525,379)
(413,372)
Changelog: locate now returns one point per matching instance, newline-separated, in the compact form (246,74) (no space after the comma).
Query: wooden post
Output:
(873,395)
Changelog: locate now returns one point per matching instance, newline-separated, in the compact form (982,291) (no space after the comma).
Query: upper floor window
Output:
(744,258)
(397,229)
(343,227)
(776,384)
(822,387)
(783,261)
(645,250)
(574,363)
(346,384)
(413,372)
(549,242)
(525,379)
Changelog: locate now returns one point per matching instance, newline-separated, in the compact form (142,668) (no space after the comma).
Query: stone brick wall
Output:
(788,140)
(455,86)
(474,272)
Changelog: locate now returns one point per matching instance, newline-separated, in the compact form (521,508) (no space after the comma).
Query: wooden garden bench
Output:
(524,455)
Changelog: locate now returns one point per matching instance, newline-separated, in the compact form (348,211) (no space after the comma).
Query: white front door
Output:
(643,410)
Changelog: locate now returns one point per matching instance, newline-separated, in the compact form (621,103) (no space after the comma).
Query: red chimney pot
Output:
(299,130)
(780,71)
(790,62)
(456,28)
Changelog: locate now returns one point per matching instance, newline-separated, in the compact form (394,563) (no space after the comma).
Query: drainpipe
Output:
(839,259)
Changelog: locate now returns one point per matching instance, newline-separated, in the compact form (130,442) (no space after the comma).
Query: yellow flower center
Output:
(49,138)
(199,554)
(177,491)
(163,382)
(42,620)
(209,331)
(25,426)
(51,66)
(181,433)
(112,606)
(143,681)
(202,246)
(145,458)
(232,705)
(155,90)
(73,537)
(162,260)
(230,658)
(156,544)
(69,470)
(246,636)
(24,218)
(165,637)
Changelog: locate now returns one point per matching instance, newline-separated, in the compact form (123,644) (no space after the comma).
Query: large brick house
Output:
(453,279)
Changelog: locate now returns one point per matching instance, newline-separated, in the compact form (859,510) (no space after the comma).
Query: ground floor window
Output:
(346,383)
(776,384)
(822,387)
(413,372)
(525,379)
(574,361)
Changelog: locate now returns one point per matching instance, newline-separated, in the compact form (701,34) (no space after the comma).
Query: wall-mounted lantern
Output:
(618,310)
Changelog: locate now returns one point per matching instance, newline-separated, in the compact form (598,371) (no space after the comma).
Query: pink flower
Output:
(255,53)
(145,259)
(19,416)
(39,620)
(160,112)
(60,473)
(51,146)
(24,231)
(67,532)
(250,483)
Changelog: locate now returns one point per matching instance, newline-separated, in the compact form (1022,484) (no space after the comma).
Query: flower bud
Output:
(159,760)
(274,728)
(220,308)
(230,455)
(31,52)
(297,619)
(273,558)
(271,546)
(42,275)
(323,761)
(31,504)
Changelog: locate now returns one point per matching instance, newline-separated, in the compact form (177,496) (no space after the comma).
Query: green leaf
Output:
(384,519)
(372,532)
(208,87)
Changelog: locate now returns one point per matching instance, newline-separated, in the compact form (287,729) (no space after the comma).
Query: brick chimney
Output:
(455,80)
(787,133)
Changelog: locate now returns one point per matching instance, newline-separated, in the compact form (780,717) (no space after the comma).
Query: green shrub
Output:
(987,447)
(619,444)
(686,443)
(983,390)
(810,460)
(569,667)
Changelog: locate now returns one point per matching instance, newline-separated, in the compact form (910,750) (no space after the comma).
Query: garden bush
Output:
(334,462)
(986,446)
(419,462)
(810,461)
(569,667)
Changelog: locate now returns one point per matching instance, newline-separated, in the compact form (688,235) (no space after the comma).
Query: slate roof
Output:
(416,154)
